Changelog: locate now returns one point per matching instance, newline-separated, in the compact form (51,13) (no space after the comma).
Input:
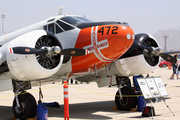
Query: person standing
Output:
(174,65)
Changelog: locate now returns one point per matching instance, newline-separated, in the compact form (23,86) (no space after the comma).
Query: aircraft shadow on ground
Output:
(77,111)
(6,112)
(86,110)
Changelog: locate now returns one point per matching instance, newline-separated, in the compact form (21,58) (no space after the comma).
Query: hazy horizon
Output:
(143,16)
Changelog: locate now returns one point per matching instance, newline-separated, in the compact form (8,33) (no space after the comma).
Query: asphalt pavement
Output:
(88,102)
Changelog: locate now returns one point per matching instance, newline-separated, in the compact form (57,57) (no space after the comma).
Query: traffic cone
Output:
(169,67)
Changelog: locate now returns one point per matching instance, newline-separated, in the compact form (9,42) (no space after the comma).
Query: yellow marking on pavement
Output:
(83,90)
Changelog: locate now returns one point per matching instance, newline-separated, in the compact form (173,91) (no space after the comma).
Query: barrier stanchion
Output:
(169,66)
(66,101)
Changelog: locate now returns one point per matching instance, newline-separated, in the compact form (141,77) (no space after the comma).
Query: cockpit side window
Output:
(53,28)
(45,27)
(50,28)
(64,25)
(58,29)
(70,20)
(83,19)
(75,20)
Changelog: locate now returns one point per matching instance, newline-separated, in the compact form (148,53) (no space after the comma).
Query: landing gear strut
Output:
(24,104)
(125,98)
(27,107)
(128,101)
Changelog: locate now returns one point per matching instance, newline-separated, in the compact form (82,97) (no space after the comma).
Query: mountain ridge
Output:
(173,39)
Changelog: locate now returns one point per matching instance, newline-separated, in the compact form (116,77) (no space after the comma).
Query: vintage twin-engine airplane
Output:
(72,47)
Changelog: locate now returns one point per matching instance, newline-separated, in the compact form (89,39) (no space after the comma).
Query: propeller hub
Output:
(156,51)
(52,51)
(56,49)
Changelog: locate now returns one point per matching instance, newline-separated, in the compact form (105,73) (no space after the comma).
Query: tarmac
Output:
(88,102)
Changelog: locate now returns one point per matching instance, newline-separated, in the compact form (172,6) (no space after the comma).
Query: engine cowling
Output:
(34,66)
(136,60)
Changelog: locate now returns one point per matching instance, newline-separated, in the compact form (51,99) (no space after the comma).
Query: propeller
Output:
(139,45)
(49,50)
(155,51)
(168,58)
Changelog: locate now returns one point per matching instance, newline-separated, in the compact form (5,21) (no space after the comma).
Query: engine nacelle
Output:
(126,67)
(34,66)
(137,61)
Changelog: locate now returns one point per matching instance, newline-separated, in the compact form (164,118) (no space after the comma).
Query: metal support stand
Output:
(168,106)
(144,104)
(151,109)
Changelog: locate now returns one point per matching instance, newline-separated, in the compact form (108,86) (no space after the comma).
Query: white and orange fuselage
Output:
(105,43)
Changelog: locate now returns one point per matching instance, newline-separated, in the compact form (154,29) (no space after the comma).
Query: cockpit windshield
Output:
(74,20)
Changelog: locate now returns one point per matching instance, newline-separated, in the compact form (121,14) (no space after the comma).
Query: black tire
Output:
(127,102)
(164,65)
(28,106)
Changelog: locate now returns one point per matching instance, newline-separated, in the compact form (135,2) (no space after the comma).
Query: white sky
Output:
(142,15)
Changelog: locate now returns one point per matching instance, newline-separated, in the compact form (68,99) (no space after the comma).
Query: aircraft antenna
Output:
(60,9)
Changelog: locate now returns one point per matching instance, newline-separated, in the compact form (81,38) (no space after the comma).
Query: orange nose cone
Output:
(105,43)
(125,37)
(119,42)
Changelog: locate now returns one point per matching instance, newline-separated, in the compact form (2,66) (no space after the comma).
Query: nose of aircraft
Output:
(125,37)
(121,40)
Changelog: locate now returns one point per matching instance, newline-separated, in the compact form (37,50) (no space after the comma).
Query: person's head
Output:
(175,56)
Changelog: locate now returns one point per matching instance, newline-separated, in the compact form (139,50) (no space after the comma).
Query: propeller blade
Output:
(26,50)
(172,52)
(74,52)
(157,51)
(168,58)
(139,45)
(69,52)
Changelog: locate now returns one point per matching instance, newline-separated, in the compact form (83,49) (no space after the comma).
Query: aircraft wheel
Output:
(127,102)
(27,108)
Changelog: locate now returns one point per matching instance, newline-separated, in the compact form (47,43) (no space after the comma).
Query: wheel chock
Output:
(115,108)
(133,109)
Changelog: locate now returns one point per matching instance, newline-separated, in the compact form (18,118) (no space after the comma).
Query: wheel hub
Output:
(123,101)
(21,109)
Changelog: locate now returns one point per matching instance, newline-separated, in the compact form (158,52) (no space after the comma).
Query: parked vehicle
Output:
(164,63)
